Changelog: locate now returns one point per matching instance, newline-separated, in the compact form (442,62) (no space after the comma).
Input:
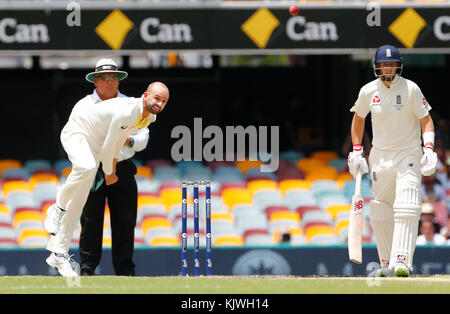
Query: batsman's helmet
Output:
(387,53)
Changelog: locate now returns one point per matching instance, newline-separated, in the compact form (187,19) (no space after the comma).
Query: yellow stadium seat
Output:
(40,234)
(222,216)
(245,165)
(323,173)
(342,224)
(144,172)
(310,164)
(325,155)
(42,177)
(285,215)
(228,240)
(171,196)
(151,223)
(292,184)
(144,200)
(334,210)
(28,215)
(165,240)
(4,209)
(9,164)
(15,186)
(318,230)
(256,185)
(234,196)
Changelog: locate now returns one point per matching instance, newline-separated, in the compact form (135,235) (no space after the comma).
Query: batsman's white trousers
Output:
(73,194)
(395,211)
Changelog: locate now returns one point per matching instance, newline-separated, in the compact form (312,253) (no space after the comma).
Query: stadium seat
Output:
(156,163)
(45,192)
(301,210)
(308,165)
(149,199)
(165,241)
(252,221)
(265,198)
(5,213)
(293,184)
(9,164)
(320,233)
(228,240)
(60,164)
(19,199)
(235,196)
(245,165)
(296,198)
(8,237)
(245,210)
(338,163)
(292,156)
(334,210)
(316,216)
(33,238)
(258,185)
(33,165)
(259,239)
(324,155)
(15,173)
(143,173)
(15,186)
(150,209)
(322,173)
(165,173)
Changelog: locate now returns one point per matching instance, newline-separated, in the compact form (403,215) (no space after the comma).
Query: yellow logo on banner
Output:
(407,27)
(114,28)
(260,26)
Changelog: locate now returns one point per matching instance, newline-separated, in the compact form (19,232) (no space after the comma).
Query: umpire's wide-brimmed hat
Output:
(106,66)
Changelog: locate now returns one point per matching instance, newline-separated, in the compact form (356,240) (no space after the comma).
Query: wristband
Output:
(429,147)
(428,137)
(357,148)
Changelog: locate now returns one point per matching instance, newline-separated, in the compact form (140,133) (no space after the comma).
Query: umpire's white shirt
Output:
(395,112)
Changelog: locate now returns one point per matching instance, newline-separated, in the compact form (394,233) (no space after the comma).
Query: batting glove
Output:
(428,161)
(356,161)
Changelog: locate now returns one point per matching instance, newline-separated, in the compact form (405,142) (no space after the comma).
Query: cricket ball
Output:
(294,10)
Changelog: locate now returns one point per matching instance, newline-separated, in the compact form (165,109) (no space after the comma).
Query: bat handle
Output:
(358,183)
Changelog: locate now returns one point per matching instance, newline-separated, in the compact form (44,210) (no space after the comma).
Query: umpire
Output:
(121,196)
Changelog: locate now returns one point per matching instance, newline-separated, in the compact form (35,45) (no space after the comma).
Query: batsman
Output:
(400,121)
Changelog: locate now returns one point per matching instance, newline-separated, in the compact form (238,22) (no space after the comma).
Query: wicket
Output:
(184,269)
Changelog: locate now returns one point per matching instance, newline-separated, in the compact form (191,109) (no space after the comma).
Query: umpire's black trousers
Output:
(122,202)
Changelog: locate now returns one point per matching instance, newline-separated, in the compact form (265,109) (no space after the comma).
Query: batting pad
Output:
(406,224)
(382,222)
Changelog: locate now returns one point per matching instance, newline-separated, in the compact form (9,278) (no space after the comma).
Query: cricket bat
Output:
(356,224)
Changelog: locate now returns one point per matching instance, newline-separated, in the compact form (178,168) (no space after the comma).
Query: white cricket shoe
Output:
(401,270)
(66,266)
(53,219)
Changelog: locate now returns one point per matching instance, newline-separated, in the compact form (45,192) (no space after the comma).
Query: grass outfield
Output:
(224,285)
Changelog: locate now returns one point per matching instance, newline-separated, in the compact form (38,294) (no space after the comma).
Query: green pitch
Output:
(224,285)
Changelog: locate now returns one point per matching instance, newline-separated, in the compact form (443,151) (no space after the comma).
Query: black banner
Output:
(252,30)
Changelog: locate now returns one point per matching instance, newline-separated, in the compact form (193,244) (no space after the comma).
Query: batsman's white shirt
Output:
(395,112)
